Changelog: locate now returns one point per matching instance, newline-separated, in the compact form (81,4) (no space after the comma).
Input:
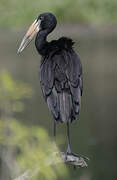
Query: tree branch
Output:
(75,161)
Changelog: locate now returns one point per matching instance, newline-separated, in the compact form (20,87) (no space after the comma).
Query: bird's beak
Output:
(33,29)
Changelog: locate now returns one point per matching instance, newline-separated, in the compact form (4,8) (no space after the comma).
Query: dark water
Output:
(95,135)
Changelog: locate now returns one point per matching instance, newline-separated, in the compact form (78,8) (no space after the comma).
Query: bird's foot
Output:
(76,155)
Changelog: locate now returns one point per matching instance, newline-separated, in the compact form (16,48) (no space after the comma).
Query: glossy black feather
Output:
(61,79)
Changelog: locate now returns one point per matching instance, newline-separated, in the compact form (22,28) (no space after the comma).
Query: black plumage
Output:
(60,71)
(61,79)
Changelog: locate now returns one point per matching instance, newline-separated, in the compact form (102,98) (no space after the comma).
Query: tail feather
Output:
(65,106)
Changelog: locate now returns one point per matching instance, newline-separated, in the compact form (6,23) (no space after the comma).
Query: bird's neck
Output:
(41,41)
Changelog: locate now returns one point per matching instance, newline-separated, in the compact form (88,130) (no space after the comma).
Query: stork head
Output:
(46,21)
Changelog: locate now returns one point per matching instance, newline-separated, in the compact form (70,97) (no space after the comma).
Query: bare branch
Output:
(75,161)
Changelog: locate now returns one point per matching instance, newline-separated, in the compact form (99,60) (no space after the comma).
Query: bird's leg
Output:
(69,141)
(69,152)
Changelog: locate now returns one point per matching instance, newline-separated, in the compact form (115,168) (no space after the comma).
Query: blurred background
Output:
(25,122)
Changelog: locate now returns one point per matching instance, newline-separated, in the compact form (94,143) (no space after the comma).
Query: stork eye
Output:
(41,18)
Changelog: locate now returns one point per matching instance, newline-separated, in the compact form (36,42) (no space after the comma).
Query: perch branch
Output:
(75,161)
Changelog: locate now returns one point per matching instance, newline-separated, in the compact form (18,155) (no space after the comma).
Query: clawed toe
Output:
(77,155)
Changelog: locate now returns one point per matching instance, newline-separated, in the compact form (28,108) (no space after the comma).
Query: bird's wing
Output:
(46,76)
(47,85)
(68,84)
(61,82)
(74,75)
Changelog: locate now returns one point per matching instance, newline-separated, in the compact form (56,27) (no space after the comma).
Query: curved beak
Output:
(33,29)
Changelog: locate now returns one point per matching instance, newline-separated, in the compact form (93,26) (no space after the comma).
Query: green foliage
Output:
(33,150)
(23,147)
(18,13)
(11,93)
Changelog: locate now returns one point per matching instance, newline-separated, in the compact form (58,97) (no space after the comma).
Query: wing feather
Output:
(46,76)
(62,86)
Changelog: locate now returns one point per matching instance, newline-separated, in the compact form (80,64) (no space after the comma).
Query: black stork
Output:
(60,72)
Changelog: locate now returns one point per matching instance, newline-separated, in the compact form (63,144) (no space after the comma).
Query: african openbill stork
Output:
(60,71)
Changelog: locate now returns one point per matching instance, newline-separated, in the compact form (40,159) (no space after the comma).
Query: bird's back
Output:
(61,80)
